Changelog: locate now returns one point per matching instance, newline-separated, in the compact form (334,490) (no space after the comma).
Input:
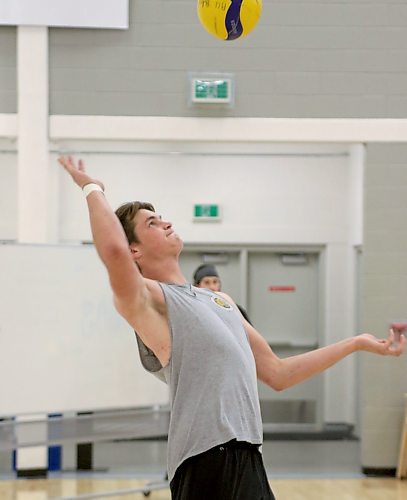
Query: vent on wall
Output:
(294,259)
(215,258)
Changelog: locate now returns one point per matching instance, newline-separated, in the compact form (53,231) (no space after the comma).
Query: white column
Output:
(35,213)
(36,177)
(356,194)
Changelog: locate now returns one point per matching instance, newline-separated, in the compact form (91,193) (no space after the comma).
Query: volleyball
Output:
(229,19)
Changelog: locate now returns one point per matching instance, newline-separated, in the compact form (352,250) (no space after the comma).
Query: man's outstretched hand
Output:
(77,171)
(386,347)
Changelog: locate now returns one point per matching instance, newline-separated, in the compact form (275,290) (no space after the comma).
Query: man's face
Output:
(155,234)
(211,282)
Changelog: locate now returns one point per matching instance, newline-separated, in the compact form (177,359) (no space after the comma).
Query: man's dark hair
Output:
(126,214)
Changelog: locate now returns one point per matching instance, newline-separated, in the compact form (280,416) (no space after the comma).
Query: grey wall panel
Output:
(304,59)
(8,75)
(397,106)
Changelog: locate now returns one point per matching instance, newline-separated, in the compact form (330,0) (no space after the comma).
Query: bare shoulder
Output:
(156,294)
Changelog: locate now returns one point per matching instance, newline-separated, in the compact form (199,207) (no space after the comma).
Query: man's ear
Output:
(135,251)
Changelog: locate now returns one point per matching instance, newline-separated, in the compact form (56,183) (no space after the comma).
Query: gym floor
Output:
(298,470)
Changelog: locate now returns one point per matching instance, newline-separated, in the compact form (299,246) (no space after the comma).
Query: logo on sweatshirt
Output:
(221,303)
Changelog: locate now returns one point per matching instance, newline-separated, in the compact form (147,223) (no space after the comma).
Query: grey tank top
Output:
(211,374)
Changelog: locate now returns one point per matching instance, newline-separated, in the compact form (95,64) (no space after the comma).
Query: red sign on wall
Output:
(282,288)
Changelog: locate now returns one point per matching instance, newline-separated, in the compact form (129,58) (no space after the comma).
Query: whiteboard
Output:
(63,346)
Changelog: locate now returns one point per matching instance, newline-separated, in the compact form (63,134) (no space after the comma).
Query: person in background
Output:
(206,276)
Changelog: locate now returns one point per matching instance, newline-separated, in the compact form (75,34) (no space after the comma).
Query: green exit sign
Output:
(206,212)
(216,90)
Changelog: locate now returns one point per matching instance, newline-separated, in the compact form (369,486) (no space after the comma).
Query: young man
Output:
(206,276)
(208,354)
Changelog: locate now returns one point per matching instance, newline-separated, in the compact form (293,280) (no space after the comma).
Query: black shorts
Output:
(231,471)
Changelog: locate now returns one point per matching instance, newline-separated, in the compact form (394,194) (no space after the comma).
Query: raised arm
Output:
(126,281)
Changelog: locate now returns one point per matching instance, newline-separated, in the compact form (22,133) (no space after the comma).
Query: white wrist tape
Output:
(88,188)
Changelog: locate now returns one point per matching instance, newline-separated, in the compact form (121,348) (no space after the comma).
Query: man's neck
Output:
(166,272)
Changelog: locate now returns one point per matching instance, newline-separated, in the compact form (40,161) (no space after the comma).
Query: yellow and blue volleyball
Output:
(229,19)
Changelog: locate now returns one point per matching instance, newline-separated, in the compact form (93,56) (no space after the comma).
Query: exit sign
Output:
(206,213)
(211,90)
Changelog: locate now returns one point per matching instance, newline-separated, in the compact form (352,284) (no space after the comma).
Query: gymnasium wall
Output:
(305,58)
(298,194)
(8,79)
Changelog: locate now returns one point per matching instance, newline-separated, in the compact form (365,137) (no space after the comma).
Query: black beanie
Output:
(204,270)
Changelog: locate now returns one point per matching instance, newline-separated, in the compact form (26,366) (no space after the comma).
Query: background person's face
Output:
(211,282)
